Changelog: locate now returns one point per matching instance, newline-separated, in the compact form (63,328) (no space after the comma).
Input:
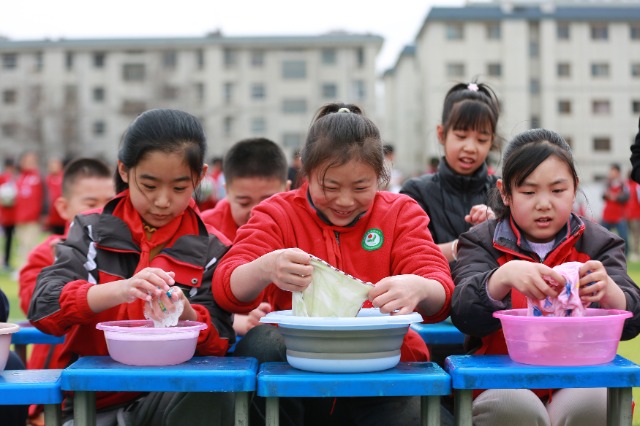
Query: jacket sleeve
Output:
(414,252)
(60,297)
(471,307)
(635,156)
(39,258)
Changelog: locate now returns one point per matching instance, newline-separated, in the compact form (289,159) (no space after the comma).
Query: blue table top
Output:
(442,333)
(29,334)
(22,387)
(199,374)
(415,378)
(500,372)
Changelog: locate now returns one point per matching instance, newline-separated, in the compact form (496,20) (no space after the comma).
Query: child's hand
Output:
(146,284)
(399,294)
(243,323)
(478,214)
(290,269)
(526,277)
(597,286)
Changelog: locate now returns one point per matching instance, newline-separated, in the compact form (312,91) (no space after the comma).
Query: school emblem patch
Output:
(372,239)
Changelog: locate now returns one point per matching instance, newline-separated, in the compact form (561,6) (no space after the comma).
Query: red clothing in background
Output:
(53,182)
(30,198)
(220,218)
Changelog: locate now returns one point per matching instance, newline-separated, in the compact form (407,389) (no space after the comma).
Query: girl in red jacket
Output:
(333,216)
(148,244)
(503,262)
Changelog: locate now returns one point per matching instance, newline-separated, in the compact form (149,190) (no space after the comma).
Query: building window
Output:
(634,31)
(360,58)
(9,129)
(257,58)
(564,70)
(563,31)
(494,70)
(98,94)
(70,95)
(454,31)
(292,140)
(9,61)
(359,90)
(600,70)
(329,91)
(600,107)
(227,92)
(133,108)
(535,122)
(294,106)
(9,97)
(39,61)
(228,125)
(169,59)
(133,72)
(494,31)
(635,70)
(68,61)
(599,31)
(258,125)
(98,59)
(328,56)
(455,70)
(230,57)
(635,107)
(602,144)
(99,128)
(534,49)
(534,86)
(199,89)
(170,93)
(294,70)
(258,91)
(564,107)
(200,59)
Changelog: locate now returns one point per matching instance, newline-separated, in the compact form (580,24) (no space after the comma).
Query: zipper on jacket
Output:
(337,234)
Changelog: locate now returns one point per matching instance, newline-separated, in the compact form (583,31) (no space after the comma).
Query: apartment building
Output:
(76,97)
(573,67)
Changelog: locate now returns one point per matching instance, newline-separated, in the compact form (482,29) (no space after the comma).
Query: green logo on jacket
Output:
(372,239)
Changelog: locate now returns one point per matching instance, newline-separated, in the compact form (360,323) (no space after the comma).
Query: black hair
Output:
(340,133)
(82,168)
(472,106)
(163,130)
(255,157)
(523,155)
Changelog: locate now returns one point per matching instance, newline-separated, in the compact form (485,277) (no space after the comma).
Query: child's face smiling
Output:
(541,206)
(345,192)
(160,186)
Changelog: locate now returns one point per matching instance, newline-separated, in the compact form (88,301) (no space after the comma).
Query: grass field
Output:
(629,349)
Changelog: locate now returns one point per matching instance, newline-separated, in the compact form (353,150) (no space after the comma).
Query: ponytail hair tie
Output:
(473,87)
(344,109)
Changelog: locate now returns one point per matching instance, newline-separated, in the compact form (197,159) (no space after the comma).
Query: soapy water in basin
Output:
(169,312)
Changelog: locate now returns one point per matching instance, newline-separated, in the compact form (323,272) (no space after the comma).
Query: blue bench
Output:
(441,333)
(22,387)
(199,374)
(424,379)
(469,372)
(28,335)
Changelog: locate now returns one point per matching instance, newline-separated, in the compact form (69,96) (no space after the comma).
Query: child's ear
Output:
(503,195)
(61,204)
(440,132)
(123,172)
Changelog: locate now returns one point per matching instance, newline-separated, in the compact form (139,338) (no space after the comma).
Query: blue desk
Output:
(441,333)
(24,387)
(199,374)
(469,372)
(424,379)
(28,335)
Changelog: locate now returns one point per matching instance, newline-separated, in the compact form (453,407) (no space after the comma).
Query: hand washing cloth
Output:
(567,303)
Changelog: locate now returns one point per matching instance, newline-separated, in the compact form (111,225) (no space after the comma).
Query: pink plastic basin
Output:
(589,340)
(138,342)
(6,330)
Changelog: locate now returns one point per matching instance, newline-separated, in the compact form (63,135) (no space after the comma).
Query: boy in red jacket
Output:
(86,184)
